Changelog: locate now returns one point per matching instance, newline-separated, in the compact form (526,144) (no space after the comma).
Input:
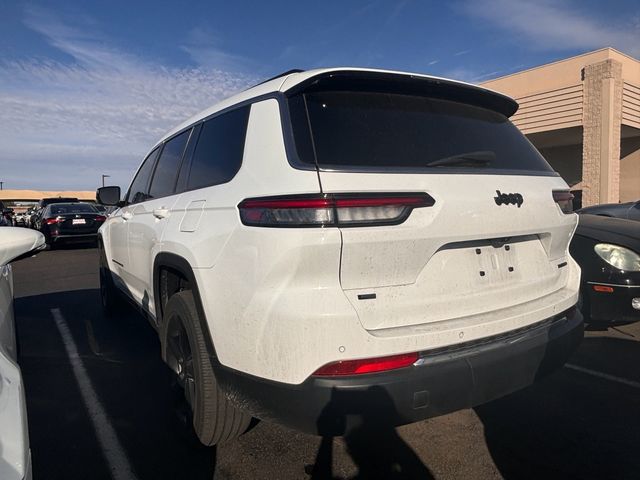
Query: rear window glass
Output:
(65,208)
(351,129)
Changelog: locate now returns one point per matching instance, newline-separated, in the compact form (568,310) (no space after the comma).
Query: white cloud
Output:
(64,124)
(464,74)
(202,45)
(556,25)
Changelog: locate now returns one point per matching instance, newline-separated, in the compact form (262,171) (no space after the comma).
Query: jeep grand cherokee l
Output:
(345,240)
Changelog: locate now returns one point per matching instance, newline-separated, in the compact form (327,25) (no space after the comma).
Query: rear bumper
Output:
(616,306)
(440,382)
(84,237)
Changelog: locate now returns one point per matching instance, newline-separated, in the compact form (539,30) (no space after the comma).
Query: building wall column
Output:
(602,116)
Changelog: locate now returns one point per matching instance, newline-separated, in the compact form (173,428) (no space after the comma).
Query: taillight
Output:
(336,210)
(564,199)
(53,221)
(100,218)
(367,365)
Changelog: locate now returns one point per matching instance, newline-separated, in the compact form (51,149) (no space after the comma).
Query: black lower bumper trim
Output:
(441,382)
(614,307)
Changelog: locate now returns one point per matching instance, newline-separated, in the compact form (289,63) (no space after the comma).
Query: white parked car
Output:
(346,243)
(15,456)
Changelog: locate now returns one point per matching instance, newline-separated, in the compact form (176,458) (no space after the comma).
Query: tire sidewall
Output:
(107,288)
(181,307)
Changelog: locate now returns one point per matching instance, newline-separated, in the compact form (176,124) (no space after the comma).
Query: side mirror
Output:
(108,195)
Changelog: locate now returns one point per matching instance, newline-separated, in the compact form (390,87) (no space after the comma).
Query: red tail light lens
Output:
(564,199)
(336,210)
(368,365)
(100,218)
(53,221)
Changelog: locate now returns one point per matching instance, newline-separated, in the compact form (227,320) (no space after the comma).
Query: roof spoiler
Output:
(357,80)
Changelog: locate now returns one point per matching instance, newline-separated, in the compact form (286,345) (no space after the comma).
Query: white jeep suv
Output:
(346,243)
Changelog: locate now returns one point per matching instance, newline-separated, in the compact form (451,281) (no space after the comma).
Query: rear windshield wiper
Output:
(480,158)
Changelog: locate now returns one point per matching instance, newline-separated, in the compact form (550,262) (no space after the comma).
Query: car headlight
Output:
(620,257)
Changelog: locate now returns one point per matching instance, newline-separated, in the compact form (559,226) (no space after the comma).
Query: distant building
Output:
(583,114)
(21,200)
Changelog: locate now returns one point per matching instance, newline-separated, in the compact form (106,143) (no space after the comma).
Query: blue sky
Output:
(87,87)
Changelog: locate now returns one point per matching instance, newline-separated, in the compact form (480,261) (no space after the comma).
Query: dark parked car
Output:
(629,210)
(70,222)
(48,201)
(608,250)
(34,217)
(6,216)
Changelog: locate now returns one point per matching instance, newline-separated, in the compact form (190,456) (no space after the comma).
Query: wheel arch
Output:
(180,265)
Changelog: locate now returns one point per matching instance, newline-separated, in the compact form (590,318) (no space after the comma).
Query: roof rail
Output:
(288,72)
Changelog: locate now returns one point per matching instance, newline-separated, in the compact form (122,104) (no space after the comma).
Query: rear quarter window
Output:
(218,153)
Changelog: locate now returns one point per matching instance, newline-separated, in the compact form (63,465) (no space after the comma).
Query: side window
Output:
(138,190)
(164,178)
(183,176)
(218,154)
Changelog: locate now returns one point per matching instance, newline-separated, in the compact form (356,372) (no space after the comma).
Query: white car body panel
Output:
(15,457)
(417,274)
(144,234)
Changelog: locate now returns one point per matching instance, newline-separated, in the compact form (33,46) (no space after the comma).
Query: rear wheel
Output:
(214,418)
(108,293)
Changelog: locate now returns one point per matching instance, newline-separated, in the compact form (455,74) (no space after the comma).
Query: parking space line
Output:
(606,376)
(112,450)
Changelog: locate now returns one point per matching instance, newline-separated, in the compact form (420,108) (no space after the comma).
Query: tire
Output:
(215,419)
(109,297)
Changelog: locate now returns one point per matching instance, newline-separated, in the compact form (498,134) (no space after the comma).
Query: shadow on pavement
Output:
(122,359)
(72,245)
(571,424)
(373,444)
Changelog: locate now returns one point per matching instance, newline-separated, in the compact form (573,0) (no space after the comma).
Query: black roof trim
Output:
(412,84)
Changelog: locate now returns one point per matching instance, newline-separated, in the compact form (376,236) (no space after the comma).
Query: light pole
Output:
(103,177)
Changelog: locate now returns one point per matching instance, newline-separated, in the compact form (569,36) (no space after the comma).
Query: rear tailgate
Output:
(78,224)
(463,256)
(494,238)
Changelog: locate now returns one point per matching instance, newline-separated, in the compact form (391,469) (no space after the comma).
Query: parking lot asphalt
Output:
(101,405)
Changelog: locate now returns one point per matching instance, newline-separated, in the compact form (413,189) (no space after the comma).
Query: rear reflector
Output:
(337,210)
(564,199)
(367,365)
(603,288)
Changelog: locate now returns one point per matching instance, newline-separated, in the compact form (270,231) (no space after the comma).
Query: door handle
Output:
(127,216)
(161,212)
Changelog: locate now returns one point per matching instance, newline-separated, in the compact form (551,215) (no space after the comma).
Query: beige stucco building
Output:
(21,200)
(583,114)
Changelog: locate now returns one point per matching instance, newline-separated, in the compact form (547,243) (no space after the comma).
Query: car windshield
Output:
(64,208)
